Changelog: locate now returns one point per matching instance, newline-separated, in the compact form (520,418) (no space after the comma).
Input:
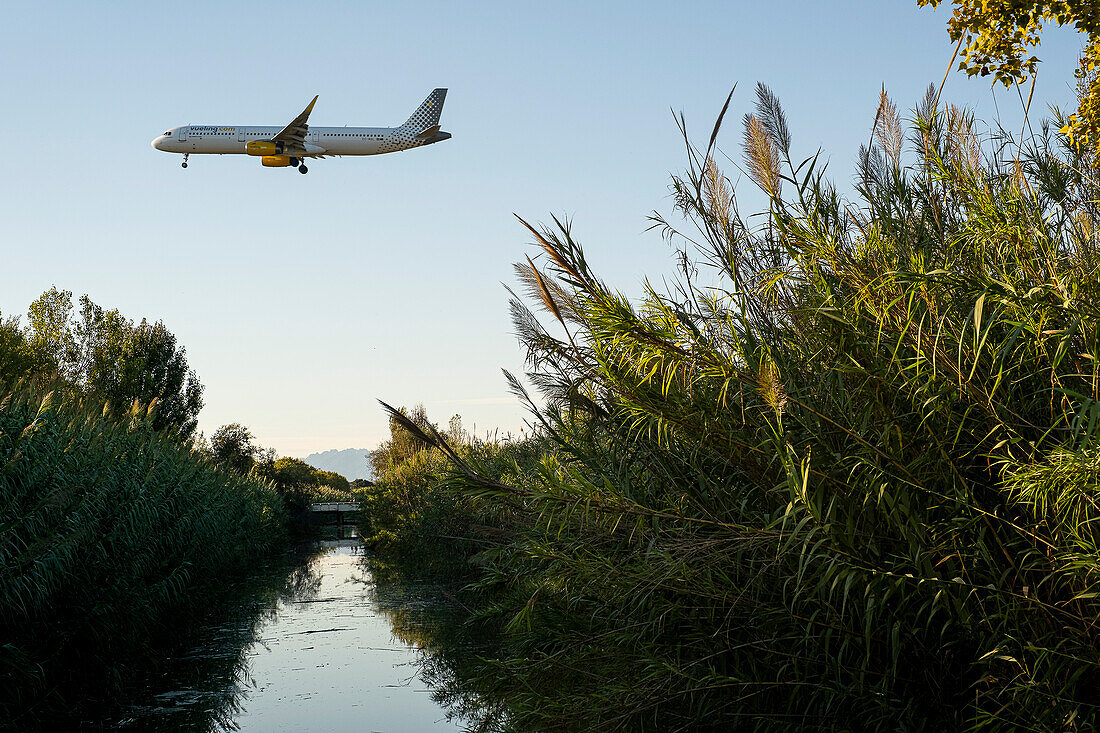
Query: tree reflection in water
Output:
(203,681)
(424,611)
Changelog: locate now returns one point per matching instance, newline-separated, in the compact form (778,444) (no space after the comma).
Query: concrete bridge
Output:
(324,512)
(335,506)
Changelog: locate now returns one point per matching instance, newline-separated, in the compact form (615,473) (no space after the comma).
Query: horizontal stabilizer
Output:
(427,133)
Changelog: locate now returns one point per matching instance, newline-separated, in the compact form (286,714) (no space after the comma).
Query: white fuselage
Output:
(290,145)
(232,139)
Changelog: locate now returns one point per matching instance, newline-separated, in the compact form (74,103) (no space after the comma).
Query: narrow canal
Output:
(317,654)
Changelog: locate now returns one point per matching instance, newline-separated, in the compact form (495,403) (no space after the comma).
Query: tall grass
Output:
(408,516)
(111,535)
(428,544)
(841,473)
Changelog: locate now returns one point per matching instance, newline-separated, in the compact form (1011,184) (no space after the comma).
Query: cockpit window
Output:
(168,134)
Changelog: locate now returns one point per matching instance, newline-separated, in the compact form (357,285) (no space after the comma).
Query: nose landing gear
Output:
(302,169)
(185,157)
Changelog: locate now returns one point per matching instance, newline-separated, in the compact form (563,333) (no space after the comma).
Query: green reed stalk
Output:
(848,482)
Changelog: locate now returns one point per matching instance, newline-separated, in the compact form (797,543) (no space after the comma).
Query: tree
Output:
(402,445)
(995,38)
(293,479)
(49,333)
(99,336)
(231,446)
(142,364)
(330,478)
(17,358)
(105,355)
(291,473)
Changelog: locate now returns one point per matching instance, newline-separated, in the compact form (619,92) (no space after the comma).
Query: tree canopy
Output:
(231,446)
(995,38)
(17,356)
(103,354)
(331,478)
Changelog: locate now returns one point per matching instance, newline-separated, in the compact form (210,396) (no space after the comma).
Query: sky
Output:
(301,300)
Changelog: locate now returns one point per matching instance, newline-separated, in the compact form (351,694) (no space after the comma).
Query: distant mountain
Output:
(351,463)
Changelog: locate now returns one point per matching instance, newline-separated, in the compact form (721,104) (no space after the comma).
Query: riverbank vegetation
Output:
(409,518)
(841,472)
(298,483)
(115,536)
(120,529)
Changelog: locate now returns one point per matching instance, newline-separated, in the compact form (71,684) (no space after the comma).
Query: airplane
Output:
(291,145)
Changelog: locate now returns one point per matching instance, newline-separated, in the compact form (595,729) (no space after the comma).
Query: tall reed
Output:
(112,534)
(842,473)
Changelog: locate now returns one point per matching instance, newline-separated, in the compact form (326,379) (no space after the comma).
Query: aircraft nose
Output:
(157,142)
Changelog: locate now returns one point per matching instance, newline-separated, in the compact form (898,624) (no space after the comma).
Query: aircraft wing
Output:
(294,134)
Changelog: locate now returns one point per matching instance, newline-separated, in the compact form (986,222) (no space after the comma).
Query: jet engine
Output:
(263,147)
(276,161)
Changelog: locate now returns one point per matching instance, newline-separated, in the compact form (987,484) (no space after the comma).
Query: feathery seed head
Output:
(888,127)
(761,156)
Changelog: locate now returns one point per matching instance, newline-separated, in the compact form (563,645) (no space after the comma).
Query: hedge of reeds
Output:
(114,536)
(841,474)
(411,520)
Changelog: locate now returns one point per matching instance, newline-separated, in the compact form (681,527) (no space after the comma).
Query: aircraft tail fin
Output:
(427,114)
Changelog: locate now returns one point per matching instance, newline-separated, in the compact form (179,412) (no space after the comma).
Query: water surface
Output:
(320,656)
(330,662)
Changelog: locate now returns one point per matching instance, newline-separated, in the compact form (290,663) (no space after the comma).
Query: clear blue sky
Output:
(301,299)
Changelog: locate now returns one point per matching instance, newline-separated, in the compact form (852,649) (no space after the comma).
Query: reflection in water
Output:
(198,685)
(455,653)
(315,654)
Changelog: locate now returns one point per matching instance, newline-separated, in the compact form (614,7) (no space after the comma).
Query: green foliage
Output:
(300,484)
(18,358)
(111,531)
(331,479)
(404,512)
(408,515)
(146,367)
(48,329)
(293,472)
(850,481)
(105,356)
(322,493)
(401,446)
(231,446)
(995,38)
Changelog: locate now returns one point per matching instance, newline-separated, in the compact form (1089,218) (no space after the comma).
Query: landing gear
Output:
(185,157)
(302,169)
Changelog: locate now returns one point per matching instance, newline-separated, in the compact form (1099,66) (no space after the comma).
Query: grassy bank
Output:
(114,536)
(842,472)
